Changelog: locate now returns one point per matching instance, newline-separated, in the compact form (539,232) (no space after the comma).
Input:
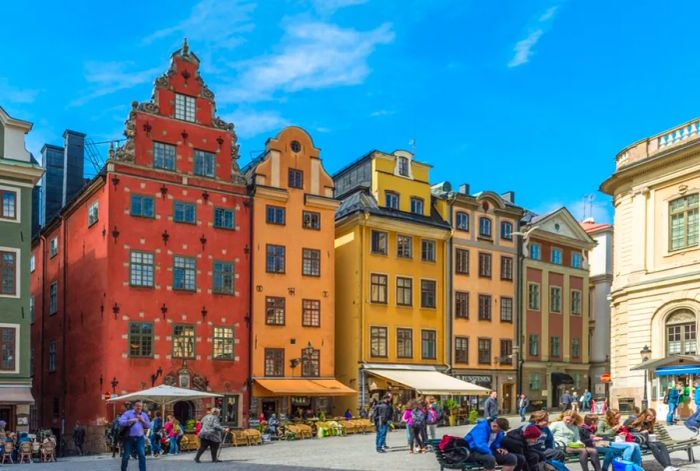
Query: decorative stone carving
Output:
(681,316)
(170,379)
(148,107)
(126,151)
(206,93)
(200,383)
(221,124)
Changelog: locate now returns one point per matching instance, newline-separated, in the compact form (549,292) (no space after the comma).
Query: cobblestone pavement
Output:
(355,452)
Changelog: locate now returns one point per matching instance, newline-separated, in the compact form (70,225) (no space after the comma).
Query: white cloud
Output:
(379,113)
(313,54)
(17,95)
(328,7)
(523,49)
(250,123)
(106,78)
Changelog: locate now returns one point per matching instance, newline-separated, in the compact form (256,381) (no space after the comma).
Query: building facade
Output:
(19,173)
(555,287)
(481,285)
(655,294)
(293,298)
(143,278)
(600,270)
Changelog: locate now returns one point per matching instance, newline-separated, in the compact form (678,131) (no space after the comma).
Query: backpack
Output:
(557,465)
(623,465)
(432,417)
(418,416)
(454,450)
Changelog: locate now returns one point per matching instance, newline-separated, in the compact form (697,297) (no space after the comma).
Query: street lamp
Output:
(646,353)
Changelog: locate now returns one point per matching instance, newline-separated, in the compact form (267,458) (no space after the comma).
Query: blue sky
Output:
(535,97)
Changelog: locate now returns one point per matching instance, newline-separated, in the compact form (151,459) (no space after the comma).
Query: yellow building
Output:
(390,280)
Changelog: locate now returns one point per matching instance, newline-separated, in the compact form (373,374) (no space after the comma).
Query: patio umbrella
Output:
(164,394)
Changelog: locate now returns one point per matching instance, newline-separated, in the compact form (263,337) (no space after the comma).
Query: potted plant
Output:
(452,406)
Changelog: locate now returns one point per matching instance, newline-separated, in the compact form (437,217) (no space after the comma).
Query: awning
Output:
(16,395)
(681,360)
(678,370)
(300,387)
(430,382)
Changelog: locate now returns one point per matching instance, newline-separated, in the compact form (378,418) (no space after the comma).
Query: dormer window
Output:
(403,166)
(184,107)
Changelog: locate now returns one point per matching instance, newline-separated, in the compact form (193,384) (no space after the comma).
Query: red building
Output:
(143,278)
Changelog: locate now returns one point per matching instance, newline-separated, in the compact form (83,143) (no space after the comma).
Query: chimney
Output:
(464,188)
(509,196)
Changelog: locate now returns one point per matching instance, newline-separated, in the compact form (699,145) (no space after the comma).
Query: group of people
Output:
(491,443)
(23,437)
(678,394)
(571,400)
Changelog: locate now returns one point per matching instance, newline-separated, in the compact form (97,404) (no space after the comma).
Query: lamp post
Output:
(646,353)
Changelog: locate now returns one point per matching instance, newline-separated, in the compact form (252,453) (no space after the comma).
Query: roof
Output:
(590,225)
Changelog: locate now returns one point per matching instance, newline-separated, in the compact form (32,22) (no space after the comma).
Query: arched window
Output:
(681,333)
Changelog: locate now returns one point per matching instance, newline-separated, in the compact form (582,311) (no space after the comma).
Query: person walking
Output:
(137,422)
(418,418)
(523,404)
(484,443)
(586,400)
(565,401)
(408,420)
(672,401)
(574,401)
(155,433)
(432,419)
(381,415)
(210,435)
(79,437)
(491,406)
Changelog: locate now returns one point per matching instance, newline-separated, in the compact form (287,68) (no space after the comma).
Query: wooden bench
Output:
(686,445)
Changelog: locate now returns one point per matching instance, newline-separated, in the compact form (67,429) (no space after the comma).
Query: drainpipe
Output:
(519,323)
(42,242)
(361,373)
(250,303)
(450,285)
(65,334)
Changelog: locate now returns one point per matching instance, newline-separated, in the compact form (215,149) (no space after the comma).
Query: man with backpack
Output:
(418,424)
(434,416)
(381,415)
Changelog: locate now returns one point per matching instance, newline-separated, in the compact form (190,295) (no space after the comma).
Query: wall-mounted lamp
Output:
(114,384)
(115,309)
(154,376)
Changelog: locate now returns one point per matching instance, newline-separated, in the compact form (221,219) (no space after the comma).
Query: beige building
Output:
(655,295)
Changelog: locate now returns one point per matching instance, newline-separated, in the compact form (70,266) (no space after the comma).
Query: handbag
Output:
(124,432)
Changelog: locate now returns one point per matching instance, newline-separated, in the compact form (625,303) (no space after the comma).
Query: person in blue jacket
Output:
(484,442)
(674,396)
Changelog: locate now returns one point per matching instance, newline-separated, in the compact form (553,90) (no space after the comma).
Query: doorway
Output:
(7,414)
(183,411)
(507,402)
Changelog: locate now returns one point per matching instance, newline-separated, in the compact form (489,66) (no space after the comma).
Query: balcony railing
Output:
(682,134)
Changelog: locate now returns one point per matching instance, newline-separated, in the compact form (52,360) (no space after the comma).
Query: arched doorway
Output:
(183,411)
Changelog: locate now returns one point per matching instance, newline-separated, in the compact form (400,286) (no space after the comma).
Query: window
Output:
(223,341)
(8,349)
(184,107)
(274,310)
(681,333)
(484,265)
(140,339)
(274,261)
(575,302)
(534,380)
(53,247)
(461,350)
(184,273)
(9,205)
(378,288)
(506,309)
(533,345)
(32,314)
(427,293)
(402,163)
(93,212)
(53,298)
(506,352)
(535,251)
(462,221)
(575,347)
(229,409)
(576,259)
(311,262)
(533,296)
(427,250)
(462,305)
(404,343)
(554,346)
(428,344)
(311,220)
(223,278)
(8,273)
(506,230)
(484,351)
(404,291)
(274,362)
(311,312)
(462,261)
(274,214)
(391,199)
(204,163)
(184,212)
(378,342)
(379,242)
(485,227)
(141,269)
(163,156)
(311,363)
(506,268)
(142,206)
(52,356)
(296,178)
(416,205)
(32,263)
(555,299)
(404,246)
(683,224)
(556,255)
(183,341)
(484,307)
(223,218)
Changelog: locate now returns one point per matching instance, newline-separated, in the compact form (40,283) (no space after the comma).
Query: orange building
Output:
(293,297)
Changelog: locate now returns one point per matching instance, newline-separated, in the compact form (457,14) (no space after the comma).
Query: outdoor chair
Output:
(253,436)
(25,452)
(48,452)
(8,449)
(239,437)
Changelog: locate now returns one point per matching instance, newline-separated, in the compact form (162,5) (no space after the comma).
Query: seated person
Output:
(566,431)
(522,442)
(484,441)
(545,444)
(629,450)
(645,425)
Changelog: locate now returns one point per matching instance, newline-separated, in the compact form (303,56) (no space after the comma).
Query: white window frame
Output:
(18,264)
(53,247)
(18,338)
(186,100)
(93,210)
(18,204)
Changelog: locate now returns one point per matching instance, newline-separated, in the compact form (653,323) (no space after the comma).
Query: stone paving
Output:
(355,452)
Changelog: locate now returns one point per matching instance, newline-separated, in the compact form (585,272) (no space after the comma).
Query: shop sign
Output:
(480,380)
(300,400)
